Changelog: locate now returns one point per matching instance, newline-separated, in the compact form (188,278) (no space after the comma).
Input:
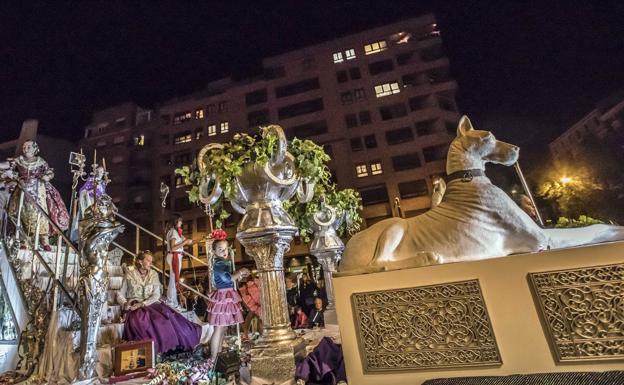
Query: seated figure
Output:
(147,317)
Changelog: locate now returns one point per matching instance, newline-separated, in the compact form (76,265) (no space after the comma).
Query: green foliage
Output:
(310,160)
(582,221)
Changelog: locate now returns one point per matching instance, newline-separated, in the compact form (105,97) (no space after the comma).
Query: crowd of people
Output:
(306,301)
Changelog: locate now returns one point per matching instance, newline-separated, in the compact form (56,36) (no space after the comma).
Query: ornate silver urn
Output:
(266,231)
(327,247)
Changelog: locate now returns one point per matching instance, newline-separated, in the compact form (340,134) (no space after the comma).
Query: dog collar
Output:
(465,175)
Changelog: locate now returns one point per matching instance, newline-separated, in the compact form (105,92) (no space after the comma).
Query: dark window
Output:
(308,63)
(297,88)
(301,108)
(256,97)
(400,135)
(374,194)
(417,103)
(222,107)
(166,160)
(365,117)
(351,120)
(356,144)
(166,118)
(309,129)
(434,153)
(392,111)
(404,58)
(359,93)
(257,118)
(164,138)
(182,204)
(346,97)
(380,67)
(437,76)
(405,162)
(201,224)
(341,76)
(446,104)
(355,74)
(416,188)
(426,127)
(410,80)
(182,159)
(370,141)
(328,149)
(187,227)
(120,122)
(274,73)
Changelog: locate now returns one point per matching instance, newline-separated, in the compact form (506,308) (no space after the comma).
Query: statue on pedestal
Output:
(33,172)
(97,229)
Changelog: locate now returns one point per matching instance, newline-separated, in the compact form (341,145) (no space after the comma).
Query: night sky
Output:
(527,71)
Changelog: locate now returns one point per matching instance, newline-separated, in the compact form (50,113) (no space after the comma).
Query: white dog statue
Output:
(471,220)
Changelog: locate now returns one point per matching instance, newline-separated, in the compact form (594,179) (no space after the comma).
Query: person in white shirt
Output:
(175,248)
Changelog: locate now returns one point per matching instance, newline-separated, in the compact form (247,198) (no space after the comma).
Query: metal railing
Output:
(62,239)
(161,272)
(139,229)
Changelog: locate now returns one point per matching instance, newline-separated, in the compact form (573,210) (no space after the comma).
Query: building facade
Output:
(123,136)
(381,102)
(604,121)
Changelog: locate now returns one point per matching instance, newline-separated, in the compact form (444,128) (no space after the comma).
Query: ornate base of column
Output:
(277,362)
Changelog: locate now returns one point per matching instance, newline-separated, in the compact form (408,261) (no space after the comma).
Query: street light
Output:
(565,180)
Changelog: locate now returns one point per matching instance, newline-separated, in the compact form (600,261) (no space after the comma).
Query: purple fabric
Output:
(165,326)
(88,186)
(325,365)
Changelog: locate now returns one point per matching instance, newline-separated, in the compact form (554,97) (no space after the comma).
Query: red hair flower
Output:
(218,235)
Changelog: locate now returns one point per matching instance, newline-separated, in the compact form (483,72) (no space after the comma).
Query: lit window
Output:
(375,47)
(376,168)
(225,127)
(387,89)
(139,140)
(184,138)
(361,170)
(338,57)
(212,130)
(350,54)
(199,113)
(118,139)
(199,133)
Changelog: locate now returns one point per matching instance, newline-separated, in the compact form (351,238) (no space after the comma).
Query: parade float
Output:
(471,291)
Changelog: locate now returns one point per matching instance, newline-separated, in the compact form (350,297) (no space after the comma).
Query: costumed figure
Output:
(224,307)
(175,249)
(35,175)
(147,317)
(97,230)
(250,293)
(94,187)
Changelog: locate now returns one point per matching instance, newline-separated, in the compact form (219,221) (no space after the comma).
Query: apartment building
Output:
(607,119)
(122,135)
(381,102)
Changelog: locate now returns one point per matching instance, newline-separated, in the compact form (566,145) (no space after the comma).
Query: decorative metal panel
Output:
(583,311)
(427,327)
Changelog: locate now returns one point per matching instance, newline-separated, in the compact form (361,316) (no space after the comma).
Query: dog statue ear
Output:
(464,126)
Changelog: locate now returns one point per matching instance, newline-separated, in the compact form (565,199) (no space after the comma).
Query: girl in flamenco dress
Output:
(224,308)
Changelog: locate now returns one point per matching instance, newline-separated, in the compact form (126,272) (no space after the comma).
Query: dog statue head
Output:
(472,149)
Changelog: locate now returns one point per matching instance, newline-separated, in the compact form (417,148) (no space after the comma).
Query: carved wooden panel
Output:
(583,311)
(428,327)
